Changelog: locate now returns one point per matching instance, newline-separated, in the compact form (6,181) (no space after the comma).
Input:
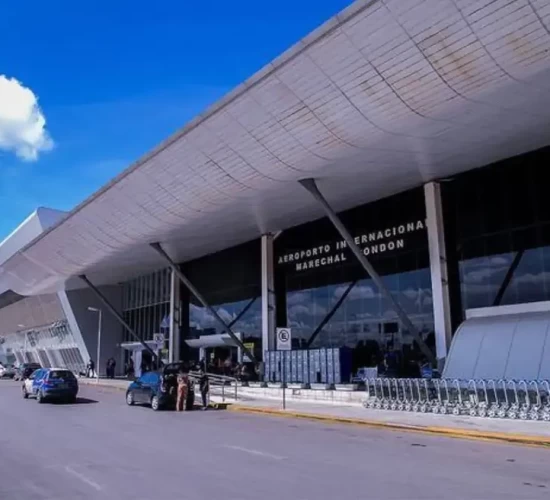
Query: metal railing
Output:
(523,399)
(219,385)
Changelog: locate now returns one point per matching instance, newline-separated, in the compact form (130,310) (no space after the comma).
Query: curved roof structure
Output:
(509,347)
(383,97)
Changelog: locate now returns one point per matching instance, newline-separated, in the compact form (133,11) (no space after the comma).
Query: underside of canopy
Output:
(382,98)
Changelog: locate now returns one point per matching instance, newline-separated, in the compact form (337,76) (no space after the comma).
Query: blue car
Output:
(51,384)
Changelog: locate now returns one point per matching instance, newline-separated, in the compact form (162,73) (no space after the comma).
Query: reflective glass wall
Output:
(501,218)
(331,302)
(146,305)
(50,345)
(230,282)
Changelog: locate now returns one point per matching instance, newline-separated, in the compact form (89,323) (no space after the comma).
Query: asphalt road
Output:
(101,449)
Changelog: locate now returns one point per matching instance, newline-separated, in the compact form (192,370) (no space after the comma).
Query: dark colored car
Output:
(157,389)
(24,371)
(51,384)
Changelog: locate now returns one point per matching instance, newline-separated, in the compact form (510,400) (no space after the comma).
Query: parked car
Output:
(51,384)
(24,370)
(157,389)
(7,371)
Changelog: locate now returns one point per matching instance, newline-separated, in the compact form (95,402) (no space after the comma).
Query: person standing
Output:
(90,369)
(183,386)
(204,385)
(111,366)
(130,371)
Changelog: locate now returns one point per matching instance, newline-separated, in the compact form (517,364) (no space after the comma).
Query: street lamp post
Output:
(25,347)
(98,311)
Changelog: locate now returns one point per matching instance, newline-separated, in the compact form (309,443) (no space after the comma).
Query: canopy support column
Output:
(438,271)
(117,315)
(174,315)
(177,271)
(311,186)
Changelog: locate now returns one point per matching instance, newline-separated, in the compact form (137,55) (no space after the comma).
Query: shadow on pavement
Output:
(79,401)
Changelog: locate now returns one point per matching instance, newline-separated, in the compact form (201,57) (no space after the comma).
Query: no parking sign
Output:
(284,339)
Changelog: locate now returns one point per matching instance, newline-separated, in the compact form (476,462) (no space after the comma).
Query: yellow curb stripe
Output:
(509,438)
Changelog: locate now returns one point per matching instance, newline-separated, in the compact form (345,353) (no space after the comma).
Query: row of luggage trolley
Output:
(514,399)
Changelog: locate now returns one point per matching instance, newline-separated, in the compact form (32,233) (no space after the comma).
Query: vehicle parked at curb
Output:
(46,384)
(25,370)
(7,371)
(157,389)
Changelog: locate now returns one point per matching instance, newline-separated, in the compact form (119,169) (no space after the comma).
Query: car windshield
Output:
(64,374)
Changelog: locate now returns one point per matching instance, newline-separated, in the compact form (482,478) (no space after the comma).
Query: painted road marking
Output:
(258,453)
(83,478)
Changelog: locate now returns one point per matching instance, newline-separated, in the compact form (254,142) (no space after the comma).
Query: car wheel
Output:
(155,403)
(25,393)
(39,397)
(130,398)
(71,400)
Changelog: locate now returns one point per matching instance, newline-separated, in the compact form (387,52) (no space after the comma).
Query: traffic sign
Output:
(284,339)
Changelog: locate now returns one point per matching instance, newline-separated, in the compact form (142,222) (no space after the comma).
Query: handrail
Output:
(218,380)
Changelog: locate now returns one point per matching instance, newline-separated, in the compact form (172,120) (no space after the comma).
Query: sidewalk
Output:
(511,431)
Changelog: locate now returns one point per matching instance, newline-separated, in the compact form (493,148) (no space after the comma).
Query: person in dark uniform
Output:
(204,386)
(190,399)
(90,369)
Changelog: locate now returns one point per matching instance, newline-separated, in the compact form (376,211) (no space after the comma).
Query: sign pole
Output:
(284,379)
(284,345)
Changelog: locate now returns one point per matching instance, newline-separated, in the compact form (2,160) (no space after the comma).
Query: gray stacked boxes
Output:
(287,365)
(300,366)
(267,366)
(273,366)
(314,366)
(294,366)
(278,366)
(337,366)
(305,367)
(323,365)
(330,366)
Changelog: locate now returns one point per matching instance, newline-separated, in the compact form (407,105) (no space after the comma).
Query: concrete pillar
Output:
(268,293)
(438,270)
(174,326)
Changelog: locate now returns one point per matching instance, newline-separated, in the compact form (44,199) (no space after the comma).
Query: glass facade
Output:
(244,316)
(230,282)
(146,305)
(330,300)
(50,345)
(501,217)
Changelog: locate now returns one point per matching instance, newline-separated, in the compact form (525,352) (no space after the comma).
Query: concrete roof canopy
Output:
(383,97)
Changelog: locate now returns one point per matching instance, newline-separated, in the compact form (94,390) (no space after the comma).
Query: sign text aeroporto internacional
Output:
(371,243)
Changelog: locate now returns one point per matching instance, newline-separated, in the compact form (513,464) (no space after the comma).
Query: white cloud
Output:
(311,309)
(295,298)
(357,292)
(22,123)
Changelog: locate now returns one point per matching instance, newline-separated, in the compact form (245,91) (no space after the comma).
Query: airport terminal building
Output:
(422,129)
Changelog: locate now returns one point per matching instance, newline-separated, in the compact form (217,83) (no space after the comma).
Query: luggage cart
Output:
(525,405)
(514,406)
(492,412)
(535,412)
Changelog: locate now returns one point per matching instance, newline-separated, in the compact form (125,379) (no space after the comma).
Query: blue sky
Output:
(115,77)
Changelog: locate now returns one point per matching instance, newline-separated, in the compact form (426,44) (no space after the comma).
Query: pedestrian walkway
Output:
(518,431)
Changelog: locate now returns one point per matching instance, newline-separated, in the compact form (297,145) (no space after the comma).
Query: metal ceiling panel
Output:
(383,97)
